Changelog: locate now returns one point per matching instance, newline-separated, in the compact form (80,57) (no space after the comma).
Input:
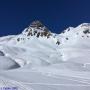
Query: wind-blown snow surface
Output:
(38,59)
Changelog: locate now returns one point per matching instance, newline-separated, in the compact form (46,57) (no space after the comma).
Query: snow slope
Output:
(38,59)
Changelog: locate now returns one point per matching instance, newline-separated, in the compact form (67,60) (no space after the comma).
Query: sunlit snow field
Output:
(40,64)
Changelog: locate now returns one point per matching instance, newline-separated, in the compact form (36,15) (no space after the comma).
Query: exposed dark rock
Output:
(18,39)
(38,34)
(86,31)
(58,42)
(66,38)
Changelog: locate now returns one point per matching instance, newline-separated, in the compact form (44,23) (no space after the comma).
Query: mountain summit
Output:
(36,24)
(37,29)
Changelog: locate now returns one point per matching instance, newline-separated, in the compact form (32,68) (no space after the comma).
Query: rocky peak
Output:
(37,29)
(36,24)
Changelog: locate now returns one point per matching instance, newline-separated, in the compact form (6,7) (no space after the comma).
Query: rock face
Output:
(37,29)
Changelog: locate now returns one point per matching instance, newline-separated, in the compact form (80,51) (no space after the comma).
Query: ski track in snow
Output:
(21,84)
(11,83)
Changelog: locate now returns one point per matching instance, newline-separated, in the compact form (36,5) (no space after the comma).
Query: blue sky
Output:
(57,15)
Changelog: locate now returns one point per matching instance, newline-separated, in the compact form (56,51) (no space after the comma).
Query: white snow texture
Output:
(38,59)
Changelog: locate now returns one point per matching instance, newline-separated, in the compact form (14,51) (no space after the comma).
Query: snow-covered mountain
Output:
(39,58)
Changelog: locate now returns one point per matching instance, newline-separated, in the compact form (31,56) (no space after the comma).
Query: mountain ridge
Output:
(37,30)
